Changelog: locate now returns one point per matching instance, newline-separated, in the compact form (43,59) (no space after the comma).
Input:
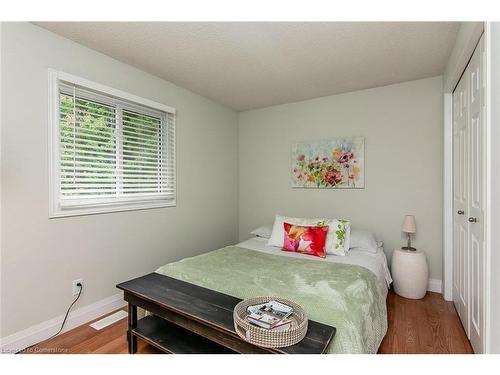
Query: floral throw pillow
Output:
(339,237)
(309,240)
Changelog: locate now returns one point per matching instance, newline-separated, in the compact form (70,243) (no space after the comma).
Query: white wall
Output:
(40,257)
(1,127)
(494,187)
(402,125)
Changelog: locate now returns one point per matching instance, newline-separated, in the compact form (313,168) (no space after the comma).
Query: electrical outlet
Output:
(76,288)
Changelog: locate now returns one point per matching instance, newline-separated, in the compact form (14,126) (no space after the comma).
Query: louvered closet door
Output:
(468,198)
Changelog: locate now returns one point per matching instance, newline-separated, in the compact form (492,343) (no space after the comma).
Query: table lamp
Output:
(409,227)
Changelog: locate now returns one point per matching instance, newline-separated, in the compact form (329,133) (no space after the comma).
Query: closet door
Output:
(460,204)
(468,198)
(476,197)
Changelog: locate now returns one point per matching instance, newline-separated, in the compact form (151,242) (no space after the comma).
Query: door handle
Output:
(460,212)
(472,220)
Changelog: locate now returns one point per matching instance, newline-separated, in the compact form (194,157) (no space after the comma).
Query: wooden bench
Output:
(191,319)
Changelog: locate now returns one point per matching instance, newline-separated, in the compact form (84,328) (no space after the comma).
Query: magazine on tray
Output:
(270,315)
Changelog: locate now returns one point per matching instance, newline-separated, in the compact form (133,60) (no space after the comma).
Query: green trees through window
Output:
(108,150)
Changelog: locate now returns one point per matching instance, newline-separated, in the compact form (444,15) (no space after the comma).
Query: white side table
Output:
(410,273)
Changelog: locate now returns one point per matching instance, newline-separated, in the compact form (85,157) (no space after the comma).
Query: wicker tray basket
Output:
(269,338)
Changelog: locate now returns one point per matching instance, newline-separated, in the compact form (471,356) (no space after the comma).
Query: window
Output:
(110,151)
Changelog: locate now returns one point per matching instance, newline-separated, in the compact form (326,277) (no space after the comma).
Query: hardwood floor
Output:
(426,326)
(430,325)
(87,340)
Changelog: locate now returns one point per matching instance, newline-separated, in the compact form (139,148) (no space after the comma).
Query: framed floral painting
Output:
(329,164)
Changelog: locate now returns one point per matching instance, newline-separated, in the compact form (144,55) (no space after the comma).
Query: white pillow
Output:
(337,239)
(264,232)
(363,240)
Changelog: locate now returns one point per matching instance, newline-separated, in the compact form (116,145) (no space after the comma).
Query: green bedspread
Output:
(344,296)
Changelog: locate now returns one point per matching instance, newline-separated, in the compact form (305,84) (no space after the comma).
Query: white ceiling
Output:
(253,65)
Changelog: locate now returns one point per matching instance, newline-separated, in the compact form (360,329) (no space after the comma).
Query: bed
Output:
(348,292)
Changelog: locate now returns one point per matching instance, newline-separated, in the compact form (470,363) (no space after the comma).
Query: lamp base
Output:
(409,248)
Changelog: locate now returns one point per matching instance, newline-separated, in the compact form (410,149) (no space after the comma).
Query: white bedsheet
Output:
(377,263)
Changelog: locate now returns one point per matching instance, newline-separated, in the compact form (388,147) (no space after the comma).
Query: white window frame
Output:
(56,209)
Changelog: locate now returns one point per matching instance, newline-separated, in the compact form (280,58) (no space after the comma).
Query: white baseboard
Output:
(435,285)
(39,332)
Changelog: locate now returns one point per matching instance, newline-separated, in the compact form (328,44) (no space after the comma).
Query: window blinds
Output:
(113,151)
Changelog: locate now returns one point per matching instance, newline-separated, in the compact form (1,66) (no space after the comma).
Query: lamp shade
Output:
(409,225)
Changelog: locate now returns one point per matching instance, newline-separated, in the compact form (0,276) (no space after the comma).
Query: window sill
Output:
(108,208)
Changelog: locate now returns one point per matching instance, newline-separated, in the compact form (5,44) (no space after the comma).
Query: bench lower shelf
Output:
(173,339)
